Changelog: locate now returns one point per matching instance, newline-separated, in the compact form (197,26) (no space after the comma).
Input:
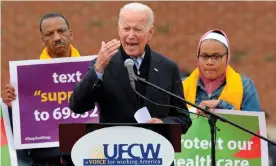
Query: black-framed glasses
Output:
(214,57)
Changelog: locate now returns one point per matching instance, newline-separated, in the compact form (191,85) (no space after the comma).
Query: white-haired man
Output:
(107,82)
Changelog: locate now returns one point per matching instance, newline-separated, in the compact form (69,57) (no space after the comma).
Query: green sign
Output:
(234,147)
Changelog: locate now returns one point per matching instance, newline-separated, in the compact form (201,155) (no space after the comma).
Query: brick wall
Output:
(251,27)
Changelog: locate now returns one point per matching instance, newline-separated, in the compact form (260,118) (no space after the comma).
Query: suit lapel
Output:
(120,75)
(154,74)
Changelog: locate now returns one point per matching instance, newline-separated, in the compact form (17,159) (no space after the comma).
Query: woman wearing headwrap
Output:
(214,83)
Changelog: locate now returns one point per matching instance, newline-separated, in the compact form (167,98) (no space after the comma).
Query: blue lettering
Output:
(114,151)
(130,151)
(145,152)
(121,150)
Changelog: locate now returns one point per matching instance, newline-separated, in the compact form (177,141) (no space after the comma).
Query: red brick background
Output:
(250,26)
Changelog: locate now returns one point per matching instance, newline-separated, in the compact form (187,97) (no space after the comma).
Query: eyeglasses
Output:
(214,57)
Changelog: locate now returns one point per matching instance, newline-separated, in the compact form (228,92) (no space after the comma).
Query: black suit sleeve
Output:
(174,117)
(85,92)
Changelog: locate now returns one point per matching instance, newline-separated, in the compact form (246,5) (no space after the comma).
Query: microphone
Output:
(129,63)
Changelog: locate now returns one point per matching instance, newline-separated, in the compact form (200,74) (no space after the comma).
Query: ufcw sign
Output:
(127,154)
(129,146)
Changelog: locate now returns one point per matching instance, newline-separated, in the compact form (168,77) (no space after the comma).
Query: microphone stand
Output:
(212,119)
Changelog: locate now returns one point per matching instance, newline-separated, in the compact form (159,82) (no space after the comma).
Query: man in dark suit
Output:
(107,81)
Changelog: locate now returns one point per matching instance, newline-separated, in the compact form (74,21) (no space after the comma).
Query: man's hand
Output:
(209,103)
(154,120)
(107,51)
(8,95)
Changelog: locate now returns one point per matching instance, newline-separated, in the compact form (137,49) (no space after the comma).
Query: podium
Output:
(120,144)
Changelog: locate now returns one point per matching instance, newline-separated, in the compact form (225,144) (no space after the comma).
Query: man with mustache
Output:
(57,36)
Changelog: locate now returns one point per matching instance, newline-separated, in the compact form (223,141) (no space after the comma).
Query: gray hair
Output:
(138,7)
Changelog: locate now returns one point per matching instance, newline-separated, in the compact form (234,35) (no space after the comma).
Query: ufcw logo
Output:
(125,154)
